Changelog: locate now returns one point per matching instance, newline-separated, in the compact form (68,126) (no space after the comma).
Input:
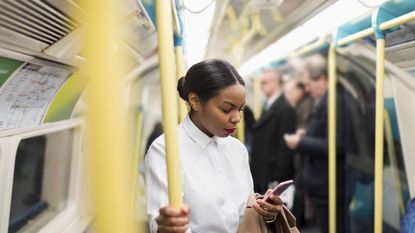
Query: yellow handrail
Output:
(169,100)
(398,21)
(394,161)
(380,105)
(106,127)
(356,36)
(240,132)
(240,128)
(180,72)
(257,98)
(332,90)
(137,153)
(383,26)
(307,48)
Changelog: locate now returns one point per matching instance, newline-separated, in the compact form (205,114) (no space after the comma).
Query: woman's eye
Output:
(226,110)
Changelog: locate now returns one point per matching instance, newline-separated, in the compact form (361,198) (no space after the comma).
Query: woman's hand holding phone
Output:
(270,209)
(271,205)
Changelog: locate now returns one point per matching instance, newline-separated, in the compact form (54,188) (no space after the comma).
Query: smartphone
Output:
(281,187)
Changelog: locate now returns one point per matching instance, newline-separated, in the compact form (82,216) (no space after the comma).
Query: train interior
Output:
(44,165)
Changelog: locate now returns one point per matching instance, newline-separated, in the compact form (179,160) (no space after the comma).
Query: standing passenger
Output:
(216,180)
(249,121)
(271,159)
(296,95)
(314,147)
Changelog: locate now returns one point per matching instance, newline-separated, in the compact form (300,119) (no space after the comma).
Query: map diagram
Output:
(25,96)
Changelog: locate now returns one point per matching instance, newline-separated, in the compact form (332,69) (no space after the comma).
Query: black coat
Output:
(314,147)
(271,159)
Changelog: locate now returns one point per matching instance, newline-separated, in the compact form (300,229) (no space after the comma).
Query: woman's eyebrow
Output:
(230,103)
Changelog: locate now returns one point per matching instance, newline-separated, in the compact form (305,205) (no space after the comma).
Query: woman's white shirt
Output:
(216,179)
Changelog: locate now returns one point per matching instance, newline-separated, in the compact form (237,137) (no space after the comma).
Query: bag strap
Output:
(286,222)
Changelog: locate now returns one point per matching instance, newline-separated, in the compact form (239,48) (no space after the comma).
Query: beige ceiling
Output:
(241,29)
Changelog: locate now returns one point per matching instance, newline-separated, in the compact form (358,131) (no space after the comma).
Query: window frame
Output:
(9,142)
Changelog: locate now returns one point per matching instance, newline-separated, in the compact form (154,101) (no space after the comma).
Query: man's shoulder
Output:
(284,105)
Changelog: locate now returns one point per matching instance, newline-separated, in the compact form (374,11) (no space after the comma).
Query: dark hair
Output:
(300,86)
(207,78)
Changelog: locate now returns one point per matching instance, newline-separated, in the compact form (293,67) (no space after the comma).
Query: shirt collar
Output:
(197,135)
(273,98)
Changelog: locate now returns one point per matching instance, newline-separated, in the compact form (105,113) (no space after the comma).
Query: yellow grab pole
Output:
(257,98)
(137,154)
(169,100)
(380,105)
(180,73)
(240,133)
(240,128)
(398,21)
(394,161)
(139,126)
(332,136)
(307,48)
(383,26)
(106,127)
(356,36)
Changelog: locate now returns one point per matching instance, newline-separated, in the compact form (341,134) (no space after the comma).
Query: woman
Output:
(215,172)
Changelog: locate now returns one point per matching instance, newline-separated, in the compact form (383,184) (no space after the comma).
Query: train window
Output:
(395,184)
(360,178)
(40,181)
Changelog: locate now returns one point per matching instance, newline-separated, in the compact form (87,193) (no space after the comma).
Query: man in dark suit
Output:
(313,145)
(271,159)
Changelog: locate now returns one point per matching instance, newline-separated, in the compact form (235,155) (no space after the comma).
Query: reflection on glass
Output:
(360,107)
(40,181)
(26,201)
(359,74)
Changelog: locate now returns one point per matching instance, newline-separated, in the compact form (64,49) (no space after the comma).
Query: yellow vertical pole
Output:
(257,98)
(394,161)
(240,128)
(240,133)
(180,72)
(332,136)
(139,126)
(137,155)
(106,127)
(380,105)
(169,99)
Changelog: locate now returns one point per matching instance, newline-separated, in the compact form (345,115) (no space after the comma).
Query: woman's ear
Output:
(194,101)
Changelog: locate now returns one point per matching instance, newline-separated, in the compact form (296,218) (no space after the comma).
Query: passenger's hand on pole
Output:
(173,220)
(269,210)
(292,140)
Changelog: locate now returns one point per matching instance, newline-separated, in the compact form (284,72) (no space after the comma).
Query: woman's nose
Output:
(236,118)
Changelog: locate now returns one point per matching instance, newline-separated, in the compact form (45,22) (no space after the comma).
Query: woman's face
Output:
(221,113)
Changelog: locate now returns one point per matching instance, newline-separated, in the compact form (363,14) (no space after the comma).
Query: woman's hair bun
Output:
(181,88)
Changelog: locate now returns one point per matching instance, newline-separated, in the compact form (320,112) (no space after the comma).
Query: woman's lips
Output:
(230,131)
